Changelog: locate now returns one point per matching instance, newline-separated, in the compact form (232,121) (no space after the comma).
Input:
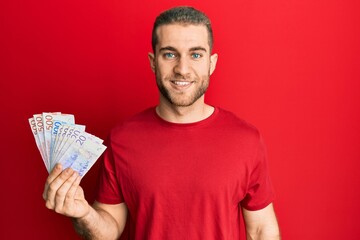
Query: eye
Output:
(196,55)
(169,55)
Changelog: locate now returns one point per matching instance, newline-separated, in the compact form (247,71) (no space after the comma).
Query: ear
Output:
(152,61)
(213,61)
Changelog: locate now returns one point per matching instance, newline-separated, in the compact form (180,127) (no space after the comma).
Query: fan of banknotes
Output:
(60,140)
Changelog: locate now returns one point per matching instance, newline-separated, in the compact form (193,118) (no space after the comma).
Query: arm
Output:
(63,194)
(261,224)
(102,222)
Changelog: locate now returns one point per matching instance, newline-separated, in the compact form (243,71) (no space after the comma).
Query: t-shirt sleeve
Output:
(260,191)
(108,189)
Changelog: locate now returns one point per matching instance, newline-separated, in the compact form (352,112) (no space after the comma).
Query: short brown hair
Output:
(182,15)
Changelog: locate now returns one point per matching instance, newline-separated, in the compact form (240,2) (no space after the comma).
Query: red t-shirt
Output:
(185,181)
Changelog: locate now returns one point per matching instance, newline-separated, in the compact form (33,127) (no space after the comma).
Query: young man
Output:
(183,169)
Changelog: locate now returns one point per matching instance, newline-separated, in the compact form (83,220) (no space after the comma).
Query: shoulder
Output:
(230,120)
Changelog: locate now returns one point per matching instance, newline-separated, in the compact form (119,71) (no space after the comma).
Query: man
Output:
(183,169)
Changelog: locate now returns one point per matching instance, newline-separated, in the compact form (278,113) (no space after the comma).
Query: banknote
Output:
(40,135)
(34,131)
(47,119)
(65,137)
(82,153)
(58,120)
(60,140)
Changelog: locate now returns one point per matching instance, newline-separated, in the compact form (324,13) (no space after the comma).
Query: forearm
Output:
(261,224)
(264,234)
(97,224)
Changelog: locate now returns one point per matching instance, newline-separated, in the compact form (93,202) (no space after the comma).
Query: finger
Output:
(62,193)
(52,176)
(54,186)
(69,204)
(55,172)
(74,189)
(79,194)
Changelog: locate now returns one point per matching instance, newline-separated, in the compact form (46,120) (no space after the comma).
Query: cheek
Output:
(203,69)
(164,70)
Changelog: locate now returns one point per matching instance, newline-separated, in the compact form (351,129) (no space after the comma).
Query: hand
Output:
(63,194)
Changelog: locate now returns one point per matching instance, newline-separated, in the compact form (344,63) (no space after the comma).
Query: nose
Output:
(182,67)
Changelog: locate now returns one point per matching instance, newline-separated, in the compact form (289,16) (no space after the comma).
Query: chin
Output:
(183,102)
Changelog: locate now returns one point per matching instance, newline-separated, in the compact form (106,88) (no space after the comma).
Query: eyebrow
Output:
(198,49)
(169,48)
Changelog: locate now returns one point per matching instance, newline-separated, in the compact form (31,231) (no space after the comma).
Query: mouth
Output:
(181,83)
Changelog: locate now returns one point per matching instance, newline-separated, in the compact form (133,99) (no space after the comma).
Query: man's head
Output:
(182,60)
(184,16)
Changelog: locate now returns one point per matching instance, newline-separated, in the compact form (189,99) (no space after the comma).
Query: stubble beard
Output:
(177,98)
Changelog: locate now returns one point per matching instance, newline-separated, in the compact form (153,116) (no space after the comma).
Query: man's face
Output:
(182,63)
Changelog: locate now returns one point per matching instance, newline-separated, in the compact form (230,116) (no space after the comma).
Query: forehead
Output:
(182,36)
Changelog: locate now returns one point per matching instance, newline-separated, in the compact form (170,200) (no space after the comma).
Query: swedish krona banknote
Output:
(60,140)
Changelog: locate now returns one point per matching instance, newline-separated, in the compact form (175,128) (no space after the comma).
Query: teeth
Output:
(181,83)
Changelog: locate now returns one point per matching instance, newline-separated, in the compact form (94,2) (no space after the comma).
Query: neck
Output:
(196,112)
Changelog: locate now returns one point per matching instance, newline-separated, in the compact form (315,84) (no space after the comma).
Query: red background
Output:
(289,67)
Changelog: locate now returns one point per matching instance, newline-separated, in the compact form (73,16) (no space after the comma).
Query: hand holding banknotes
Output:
(68,153)
(63,194)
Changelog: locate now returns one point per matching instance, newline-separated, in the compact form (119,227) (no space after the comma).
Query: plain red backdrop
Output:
(289,67)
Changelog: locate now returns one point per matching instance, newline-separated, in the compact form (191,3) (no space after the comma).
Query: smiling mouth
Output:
(181,83)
